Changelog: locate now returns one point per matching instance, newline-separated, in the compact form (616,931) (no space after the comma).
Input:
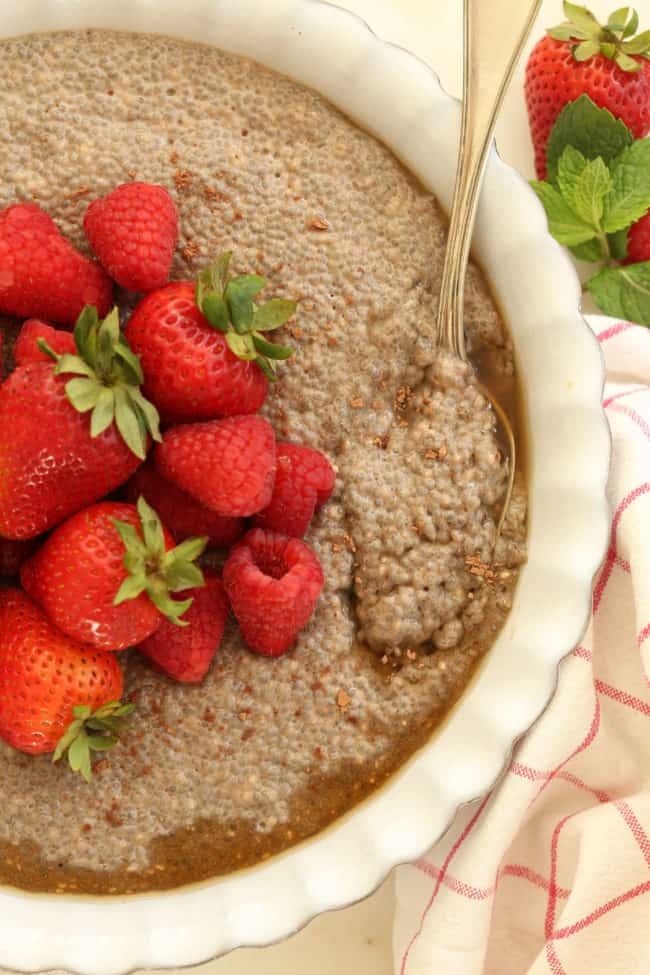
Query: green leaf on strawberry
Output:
(228,305)
(91,731)
(615,40)
(241,345)
(272,314)
(109,376)
(158,571)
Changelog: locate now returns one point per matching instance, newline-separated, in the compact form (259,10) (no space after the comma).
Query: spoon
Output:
(494,35)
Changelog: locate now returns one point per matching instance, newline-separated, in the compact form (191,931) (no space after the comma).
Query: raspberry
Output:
(186,652)
(228,465)
(26,348)
(273,583)
(304,480)
(638,247)
(182,514)
(133,231)
(41,274)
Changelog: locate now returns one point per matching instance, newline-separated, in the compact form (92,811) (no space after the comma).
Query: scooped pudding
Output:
(412,585)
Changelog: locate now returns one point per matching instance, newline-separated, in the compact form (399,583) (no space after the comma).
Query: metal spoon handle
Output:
(494,32)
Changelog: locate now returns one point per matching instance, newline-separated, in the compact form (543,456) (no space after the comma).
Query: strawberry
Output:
(228,465)
(580,57)
(41,274)
(201,345)
(273,583)
(13,554)
(133,231)
(638,242)
(27,349)
(180,512)
(104,576)
(304,480)
(186,654)
(66,442)
(56,695)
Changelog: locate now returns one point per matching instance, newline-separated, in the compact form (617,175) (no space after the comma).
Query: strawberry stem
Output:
(617,40)
(153,569)
(91,731)
(227,303)
(108,376)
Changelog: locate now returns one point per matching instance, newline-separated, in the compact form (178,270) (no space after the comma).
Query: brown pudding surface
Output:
(266,752)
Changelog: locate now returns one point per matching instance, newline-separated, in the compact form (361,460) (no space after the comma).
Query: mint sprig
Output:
(591,130)
(228,305)
(598,187)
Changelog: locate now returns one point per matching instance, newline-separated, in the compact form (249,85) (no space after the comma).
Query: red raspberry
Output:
(26,348)
(304,480)
(273,583)
(14,553)
(41,274)
(134,231)
(638,247)
(186,652)
(182,514)
(190,373)
(229,465)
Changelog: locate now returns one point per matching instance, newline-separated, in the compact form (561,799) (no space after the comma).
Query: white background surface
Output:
(357,941)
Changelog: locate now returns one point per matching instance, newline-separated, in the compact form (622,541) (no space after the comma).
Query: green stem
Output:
(605,251)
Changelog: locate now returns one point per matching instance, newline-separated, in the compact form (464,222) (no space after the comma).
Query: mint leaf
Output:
(623,292)
(629,197)
(584,185)
(591,191)
(618,244)
(591,130)
(566,226)
(570,167)
(590,251)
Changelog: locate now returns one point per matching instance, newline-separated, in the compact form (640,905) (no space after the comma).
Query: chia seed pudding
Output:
(266,752)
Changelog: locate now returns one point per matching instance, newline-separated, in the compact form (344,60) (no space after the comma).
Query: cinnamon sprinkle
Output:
(317,223)
(343,700)
(182,179)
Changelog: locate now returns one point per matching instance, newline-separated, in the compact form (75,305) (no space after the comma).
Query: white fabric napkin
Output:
(550,873)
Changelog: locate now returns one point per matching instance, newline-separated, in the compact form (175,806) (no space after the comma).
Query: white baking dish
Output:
(396,97)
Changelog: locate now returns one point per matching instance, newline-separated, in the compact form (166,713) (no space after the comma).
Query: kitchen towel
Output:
(550,873)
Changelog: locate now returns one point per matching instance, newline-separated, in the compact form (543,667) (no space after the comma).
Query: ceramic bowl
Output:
(397,98)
